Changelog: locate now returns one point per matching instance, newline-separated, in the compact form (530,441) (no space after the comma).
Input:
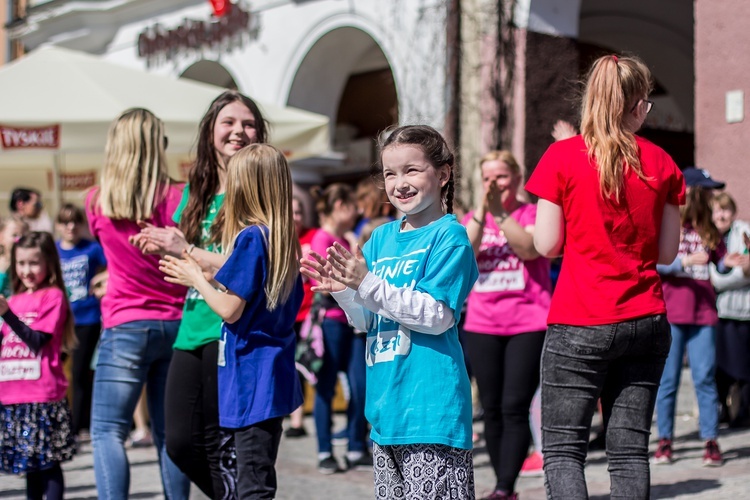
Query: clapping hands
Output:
(339,270)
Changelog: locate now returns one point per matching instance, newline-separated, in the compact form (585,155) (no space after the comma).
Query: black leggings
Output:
(506,369)
(194,440)
(47,483)
(83,375)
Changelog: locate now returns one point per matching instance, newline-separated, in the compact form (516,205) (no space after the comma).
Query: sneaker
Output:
(501,495)
(533,466)
(328,466)
(712,455)
(295,432)
(663,453)
(340,437)
(140,439)
(363,463)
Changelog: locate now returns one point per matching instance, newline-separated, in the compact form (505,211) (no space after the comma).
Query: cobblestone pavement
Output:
(299,479)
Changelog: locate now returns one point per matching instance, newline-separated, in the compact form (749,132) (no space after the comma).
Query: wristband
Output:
(190,248)
(480,222)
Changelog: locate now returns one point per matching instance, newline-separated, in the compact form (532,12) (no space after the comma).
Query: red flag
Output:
(221,7)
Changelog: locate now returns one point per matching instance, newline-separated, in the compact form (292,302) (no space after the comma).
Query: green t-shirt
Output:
(200,325)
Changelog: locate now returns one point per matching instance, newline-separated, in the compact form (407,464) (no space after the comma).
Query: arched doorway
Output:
(210,72)
(346,76)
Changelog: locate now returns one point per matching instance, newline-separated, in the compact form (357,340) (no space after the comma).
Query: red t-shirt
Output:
(307,300)
(611,248)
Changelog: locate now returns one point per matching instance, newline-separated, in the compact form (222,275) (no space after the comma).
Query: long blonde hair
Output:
(259,193)
(134,177)
(614,85)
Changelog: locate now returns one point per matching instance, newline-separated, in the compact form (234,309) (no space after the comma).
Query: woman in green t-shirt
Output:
(194,440)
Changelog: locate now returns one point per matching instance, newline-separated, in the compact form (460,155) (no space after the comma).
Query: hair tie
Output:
(615,58)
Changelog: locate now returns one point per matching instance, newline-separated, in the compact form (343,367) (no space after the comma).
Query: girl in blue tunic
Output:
(258,296)
(406,289)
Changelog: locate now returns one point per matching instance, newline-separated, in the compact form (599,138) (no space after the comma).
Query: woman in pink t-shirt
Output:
(609,204)
(140,311)
(35,434)
(506,317)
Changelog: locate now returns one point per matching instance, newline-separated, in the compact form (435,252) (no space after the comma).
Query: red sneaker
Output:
(712,455)
(663,453)
(533,466)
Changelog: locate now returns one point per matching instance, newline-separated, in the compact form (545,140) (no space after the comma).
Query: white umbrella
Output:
(83,94)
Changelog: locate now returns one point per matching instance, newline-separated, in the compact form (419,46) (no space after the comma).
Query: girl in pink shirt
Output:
(34,415)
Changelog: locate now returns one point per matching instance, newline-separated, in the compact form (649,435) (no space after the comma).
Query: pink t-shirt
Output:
(319,244)
(512,295)
(136,290)
(26,377)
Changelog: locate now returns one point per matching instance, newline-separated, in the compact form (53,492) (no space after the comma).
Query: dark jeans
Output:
(345,352)
(506,368)
(257,449)
(83,375)
(192,416)
(622,363)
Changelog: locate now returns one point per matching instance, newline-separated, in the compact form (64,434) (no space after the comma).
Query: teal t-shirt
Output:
(418,391)
(5,283)
(200,324)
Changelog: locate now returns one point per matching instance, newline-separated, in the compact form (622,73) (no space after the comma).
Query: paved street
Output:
(298,477)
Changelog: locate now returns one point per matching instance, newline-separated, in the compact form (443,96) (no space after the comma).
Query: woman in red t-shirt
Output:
(609,204)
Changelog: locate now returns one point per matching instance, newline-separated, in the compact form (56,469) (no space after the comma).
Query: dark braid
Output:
(449,190)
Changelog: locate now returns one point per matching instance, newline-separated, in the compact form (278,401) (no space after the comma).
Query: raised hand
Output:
(183,271)
(168,240)
(318,269)
(348,268)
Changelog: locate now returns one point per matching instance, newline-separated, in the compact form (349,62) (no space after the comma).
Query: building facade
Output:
(512,71)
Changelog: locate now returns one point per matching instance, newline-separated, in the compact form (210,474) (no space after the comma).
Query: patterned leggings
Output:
(423,471)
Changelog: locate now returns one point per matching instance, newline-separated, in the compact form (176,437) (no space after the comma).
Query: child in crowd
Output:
(260,293)
(343,351)
(35,433)
(407,291)
(692,314)
(11,229)
(304,234)
(81,259)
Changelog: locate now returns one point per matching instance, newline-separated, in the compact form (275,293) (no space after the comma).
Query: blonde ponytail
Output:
(613,86)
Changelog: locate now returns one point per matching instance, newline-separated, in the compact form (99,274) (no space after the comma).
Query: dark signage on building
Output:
(156,43)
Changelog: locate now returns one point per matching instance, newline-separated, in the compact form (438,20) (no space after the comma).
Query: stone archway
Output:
(210,72)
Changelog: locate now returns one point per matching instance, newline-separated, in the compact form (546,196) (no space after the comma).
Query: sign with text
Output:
(73,181)
(47,137)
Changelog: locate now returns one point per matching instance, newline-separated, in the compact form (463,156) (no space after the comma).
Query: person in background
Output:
(140,311)
(609,203)
(35,435)
(343,351)
(733,305)
(372,203)
(506,317)
(12,228)
(691,311)
(304,235)
(27,204)
(81,260)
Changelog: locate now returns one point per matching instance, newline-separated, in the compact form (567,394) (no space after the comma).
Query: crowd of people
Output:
(219,299)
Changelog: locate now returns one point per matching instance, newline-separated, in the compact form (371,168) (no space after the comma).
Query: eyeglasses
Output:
(649,105)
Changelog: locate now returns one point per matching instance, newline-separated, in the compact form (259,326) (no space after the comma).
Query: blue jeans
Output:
(621,363)
(343,352)
(130,355)
(701,348)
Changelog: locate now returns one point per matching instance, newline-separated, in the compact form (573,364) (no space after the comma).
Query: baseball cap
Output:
(695,176)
